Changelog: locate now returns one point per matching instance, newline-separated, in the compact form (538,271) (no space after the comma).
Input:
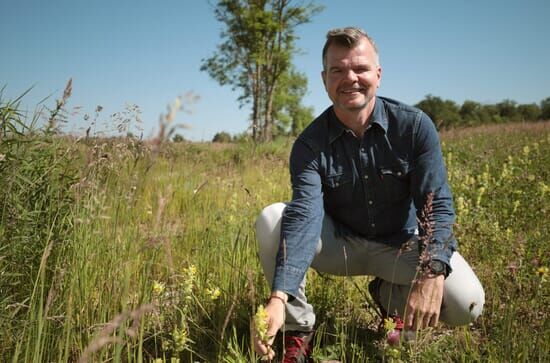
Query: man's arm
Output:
(429,176)
(302,221)
(300,233)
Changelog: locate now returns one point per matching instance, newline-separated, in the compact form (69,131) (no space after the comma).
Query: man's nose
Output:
(351,76)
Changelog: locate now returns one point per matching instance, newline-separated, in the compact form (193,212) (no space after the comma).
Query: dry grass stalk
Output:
(60,104)
(105,335)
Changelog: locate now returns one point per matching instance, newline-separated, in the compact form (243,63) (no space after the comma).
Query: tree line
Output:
(449,114)
(445,114)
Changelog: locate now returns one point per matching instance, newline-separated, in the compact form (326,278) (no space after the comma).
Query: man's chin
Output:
(354,106)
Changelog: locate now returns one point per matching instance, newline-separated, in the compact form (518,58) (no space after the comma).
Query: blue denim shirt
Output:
(374,187)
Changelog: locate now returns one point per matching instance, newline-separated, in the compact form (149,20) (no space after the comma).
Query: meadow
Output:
(119,249)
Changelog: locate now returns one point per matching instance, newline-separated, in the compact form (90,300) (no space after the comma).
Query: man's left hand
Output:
(424,303)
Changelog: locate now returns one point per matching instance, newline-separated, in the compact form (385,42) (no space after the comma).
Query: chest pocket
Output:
(394,182)
(338,190)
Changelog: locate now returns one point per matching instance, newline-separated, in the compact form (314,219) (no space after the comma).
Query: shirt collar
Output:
(378,117)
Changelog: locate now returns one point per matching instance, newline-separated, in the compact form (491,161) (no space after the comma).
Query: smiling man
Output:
(362,173)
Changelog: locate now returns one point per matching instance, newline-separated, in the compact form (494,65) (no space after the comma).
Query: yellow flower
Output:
(181,338)
(213,293)
(261,323)
(389,324)
(158,287)
(542,272)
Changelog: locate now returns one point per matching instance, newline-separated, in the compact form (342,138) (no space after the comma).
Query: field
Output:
(122,250)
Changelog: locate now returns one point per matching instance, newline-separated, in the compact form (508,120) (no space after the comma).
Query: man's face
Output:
(351,76)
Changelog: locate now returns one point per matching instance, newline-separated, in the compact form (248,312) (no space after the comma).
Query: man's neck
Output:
(356,120)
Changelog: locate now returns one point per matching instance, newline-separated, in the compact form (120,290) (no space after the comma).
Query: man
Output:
(362,174)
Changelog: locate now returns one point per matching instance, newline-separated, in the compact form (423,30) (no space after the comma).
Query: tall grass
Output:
(125,250)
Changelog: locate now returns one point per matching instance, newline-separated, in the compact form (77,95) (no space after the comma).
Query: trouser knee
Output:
(268,234)
(268,224)
(466,311)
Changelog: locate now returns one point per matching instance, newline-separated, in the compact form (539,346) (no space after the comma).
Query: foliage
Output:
(447,114)
(291,116)
(129,250)
(223,137)
(178,138)
(256,52)
(545,109)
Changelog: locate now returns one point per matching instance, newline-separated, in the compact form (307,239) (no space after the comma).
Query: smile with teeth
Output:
(352,91)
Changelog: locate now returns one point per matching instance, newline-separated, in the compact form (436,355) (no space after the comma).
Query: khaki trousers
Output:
(463,295)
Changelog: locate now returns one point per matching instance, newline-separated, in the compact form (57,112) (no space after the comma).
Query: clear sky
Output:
(142,52)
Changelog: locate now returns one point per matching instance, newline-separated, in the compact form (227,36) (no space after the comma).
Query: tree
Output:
(470,113)
(178,138)
(545,109)
(529,112)
(223,137)
(290,115)
(256,52)
(508,111)
(443,113)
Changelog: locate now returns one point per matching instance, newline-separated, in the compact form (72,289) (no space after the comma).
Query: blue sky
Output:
(148,52)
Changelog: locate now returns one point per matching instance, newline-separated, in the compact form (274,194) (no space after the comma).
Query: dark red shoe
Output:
(297,347)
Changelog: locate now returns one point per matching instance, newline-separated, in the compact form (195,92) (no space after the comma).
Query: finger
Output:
(409,320)
(260,348)
(418,320)
(426,320)
(434,320)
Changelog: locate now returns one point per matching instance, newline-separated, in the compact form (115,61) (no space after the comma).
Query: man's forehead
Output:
(347,58)
(363,49)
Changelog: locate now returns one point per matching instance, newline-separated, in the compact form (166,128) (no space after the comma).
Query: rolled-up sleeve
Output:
(302,220)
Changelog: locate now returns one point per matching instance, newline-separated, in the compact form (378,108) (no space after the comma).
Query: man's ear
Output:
(323,75)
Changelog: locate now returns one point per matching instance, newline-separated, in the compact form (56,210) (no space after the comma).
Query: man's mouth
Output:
(352,90)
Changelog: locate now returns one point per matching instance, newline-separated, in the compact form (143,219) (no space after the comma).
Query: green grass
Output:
(115,250)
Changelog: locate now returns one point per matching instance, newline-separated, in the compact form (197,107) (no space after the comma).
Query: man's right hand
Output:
(275,310)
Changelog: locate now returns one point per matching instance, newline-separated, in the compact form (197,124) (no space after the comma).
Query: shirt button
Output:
(362,149)
(336,184)
(373,225)
(370,202)
(366,177)
(399,173)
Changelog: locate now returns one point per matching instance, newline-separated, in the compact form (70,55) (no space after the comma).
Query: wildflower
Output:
(158,287)
(393,353)
(261,325)
(189,277)
(516,206)
(2,157)
(180,338)
(389,324)
(213,293)
(543,188)
(542,272)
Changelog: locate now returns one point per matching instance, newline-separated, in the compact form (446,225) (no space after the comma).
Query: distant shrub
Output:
(222,137)
(178,138)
